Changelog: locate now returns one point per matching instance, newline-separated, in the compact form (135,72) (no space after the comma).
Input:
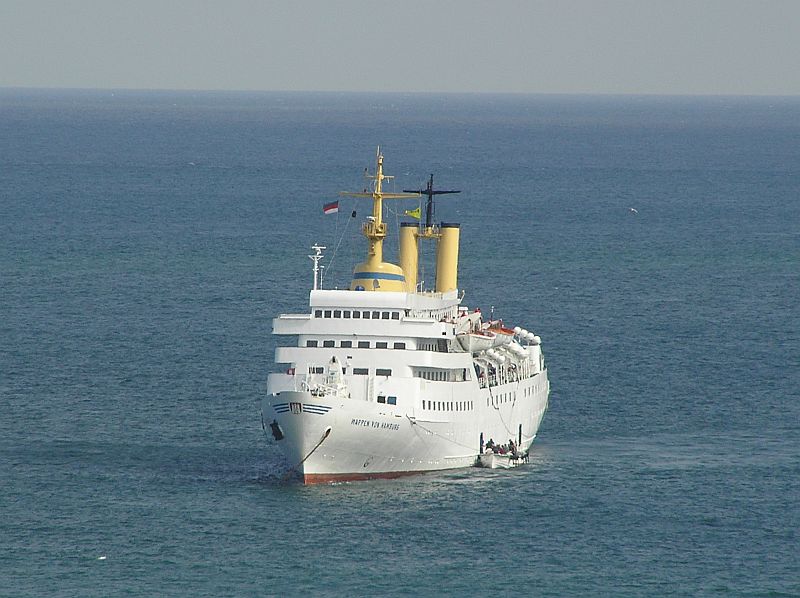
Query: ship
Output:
(387,378)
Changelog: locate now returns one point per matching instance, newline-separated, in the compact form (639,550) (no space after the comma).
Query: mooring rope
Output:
(325,435)
(414,422)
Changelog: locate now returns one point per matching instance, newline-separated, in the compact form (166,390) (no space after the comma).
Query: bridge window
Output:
(363,344)
(366,315)
(376,315)
(311,343)
(395,315)
(360,371)
(337,313)
(328,343)
(346,344)
(399,345)
(318,313)
(391,400)
(383,372)
(346,314)
(327,313)
(356,315)
(381,345)
(386,315)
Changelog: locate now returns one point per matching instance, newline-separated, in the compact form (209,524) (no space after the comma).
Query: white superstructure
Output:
(387,380)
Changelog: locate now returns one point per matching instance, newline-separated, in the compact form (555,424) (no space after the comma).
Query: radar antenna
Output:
(430,192)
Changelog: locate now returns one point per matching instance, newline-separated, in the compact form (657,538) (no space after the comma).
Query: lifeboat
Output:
(475,342)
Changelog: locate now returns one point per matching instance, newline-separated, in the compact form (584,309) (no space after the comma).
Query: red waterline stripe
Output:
(327,478)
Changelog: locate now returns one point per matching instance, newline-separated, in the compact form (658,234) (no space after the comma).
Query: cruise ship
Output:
(387,378)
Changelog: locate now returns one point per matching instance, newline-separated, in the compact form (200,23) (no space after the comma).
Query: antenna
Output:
(317,268)
(430,192)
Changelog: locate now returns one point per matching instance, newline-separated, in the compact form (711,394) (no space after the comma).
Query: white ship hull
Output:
(328,438)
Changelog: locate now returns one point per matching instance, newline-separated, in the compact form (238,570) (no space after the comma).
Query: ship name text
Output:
(369,423)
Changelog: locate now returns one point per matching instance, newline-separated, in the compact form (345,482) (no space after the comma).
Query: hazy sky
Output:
(540,46)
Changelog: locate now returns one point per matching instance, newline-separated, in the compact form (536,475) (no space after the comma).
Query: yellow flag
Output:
(414,213)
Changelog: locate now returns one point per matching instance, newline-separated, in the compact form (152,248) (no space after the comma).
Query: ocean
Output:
(148,238)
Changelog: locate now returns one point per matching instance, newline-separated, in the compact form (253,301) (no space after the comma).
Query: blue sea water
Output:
(148,238)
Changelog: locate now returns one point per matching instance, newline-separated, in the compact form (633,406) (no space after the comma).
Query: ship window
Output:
(318,313)
(366,315)
(381,399)
(395,315)
(363,344)
(337,313)
(327,313)
(381,345)
(360,371)
(328,343)
(346,344)
(346,314)
(386,315)
(376,315)
(356,315)
(311,343)
(383,372)
(399,345)
(391,400)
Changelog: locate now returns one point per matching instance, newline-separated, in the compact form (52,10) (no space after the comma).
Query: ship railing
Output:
(488,381)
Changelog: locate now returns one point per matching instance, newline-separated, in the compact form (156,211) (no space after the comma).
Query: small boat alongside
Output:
(492,460)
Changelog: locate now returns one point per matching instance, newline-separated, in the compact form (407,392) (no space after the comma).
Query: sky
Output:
(531,46)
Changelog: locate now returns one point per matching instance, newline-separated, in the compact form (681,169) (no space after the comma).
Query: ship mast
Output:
(429,191)
(317,268)
(374,229)
(374,274)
